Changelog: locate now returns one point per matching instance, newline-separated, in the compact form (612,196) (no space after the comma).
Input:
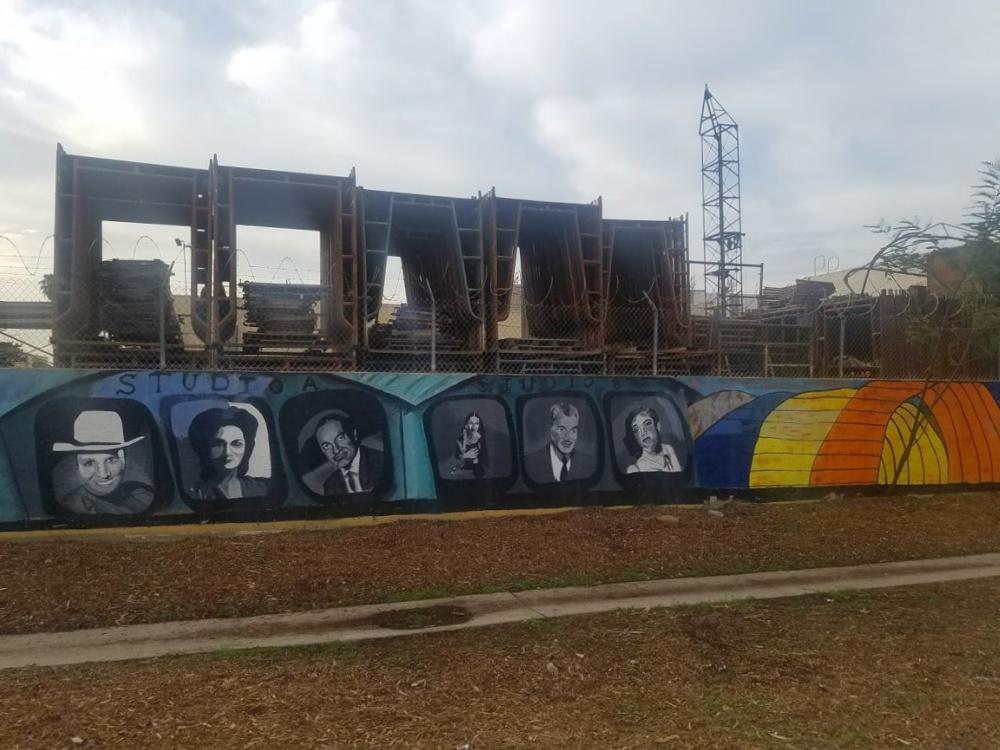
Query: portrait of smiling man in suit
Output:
(567,453)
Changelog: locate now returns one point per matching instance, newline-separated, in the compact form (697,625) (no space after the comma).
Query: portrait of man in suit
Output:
(353,468)
(566,456)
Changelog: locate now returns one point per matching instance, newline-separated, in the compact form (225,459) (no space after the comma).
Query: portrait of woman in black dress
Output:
(471,451)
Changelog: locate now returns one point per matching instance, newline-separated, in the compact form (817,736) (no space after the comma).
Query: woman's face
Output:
(101,473)
(472,429)
(645,432)
(227,447)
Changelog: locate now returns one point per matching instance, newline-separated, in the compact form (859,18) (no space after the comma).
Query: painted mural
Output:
(138,446)
(878,432)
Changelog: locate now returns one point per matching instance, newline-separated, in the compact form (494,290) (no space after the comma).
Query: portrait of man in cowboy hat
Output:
(93,467)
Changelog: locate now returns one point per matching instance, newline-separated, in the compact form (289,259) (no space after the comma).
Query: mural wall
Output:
(104,447)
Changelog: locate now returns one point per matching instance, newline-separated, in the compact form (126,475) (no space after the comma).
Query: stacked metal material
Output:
(10,354)
(409,330)
(26,315)
(282,315)
(801,298)
(556,355)
(129,292)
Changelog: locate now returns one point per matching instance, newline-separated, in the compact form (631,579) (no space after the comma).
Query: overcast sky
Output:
(848,111)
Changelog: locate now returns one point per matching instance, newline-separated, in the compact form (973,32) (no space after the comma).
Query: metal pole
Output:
(163,328)
(163,289)
(843,326)
(430,292)
(656,332)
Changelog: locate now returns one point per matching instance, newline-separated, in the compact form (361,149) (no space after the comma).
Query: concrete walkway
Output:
(367,622)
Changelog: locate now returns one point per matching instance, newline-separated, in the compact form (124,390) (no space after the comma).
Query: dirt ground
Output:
(917,667)
(66,584)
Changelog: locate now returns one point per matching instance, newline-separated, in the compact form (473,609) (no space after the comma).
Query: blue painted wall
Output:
(438,442)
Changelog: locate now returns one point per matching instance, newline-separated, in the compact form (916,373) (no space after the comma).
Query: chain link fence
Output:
(141,314)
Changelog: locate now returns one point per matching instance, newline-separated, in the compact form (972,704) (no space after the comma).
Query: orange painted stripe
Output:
(991,418)
(957,435)
(849,461)
(852,451)
(935,400)
(972,415)
(851,431)
(826,478)
(860,432)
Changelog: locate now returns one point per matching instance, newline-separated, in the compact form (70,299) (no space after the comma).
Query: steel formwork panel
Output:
(90,191)
(647,269)
(585,280)
(439,242)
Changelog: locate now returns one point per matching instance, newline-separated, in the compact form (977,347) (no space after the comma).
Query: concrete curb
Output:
(354,623)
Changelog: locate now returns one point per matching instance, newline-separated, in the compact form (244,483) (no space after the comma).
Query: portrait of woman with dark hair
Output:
(645,445)
(223,440)
(471,452)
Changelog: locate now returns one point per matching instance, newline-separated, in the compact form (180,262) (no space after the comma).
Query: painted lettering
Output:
(127,380)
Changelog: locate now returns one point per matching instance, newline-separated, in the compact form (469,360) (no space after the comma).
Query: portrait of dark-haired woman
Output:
(223,439)
(471,453)
(645,446)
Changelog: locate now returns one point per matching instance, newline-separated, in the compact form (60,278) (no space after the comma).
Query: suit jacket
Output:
(369,472)
(538,466)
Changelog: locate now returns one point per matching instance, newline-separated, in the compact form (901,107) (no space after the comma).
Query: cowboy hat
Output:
(97,432)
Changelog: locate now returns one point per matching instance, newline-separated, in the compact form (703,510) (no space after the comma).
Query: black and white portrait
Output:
(339,450)
(648,435)
(224,451)
(645,443)
(471,439)
(98,457)
(561,439)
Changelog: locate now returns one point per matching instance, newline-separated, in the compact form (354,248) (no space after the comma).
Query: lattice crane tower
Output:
(720,193)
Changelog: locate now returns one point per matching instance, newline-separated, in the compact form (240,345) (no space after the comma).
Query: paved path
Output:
(361,623)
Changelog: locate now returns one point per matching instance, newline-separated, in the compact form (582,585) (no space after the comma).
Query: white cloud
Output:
(261,66)
(79,72)
(847,114)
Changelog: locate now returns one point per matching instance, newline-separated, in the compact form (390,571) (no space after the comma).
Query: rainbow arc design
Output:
(885,432)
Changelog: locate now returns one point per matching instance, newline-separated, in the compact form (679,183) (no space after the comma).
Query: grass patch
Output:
(429,592)
(343,649)
(843,596)
(524,584)
(553,582)
(545,625)
(227,612)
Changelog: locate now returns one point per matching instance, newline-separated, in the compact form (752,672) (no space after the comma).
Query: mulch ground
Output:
(916,667)
(64,584)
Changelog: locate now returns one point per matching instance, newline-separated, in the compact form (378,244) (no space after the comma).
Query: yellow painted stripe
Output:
(797,416)
(271,527)
(795,431)
(779,478)
(792,435)
(783,445)
(783,461)
(928,459)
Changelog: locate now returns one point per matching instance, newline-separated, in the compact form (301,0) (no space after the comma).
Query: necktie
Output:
(564,471)
(352,482)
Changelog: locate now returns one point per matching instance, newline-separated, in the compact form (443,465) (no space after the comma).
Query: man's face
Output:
(645,432)
(101,473)
(338,446)
(563,433)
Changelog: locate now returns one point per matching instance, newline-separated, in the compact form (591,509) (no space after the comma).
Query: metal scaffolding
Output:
(720,192)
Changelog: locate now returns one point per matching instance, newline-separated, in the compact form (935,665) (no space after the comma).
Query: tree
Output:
(964,326)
